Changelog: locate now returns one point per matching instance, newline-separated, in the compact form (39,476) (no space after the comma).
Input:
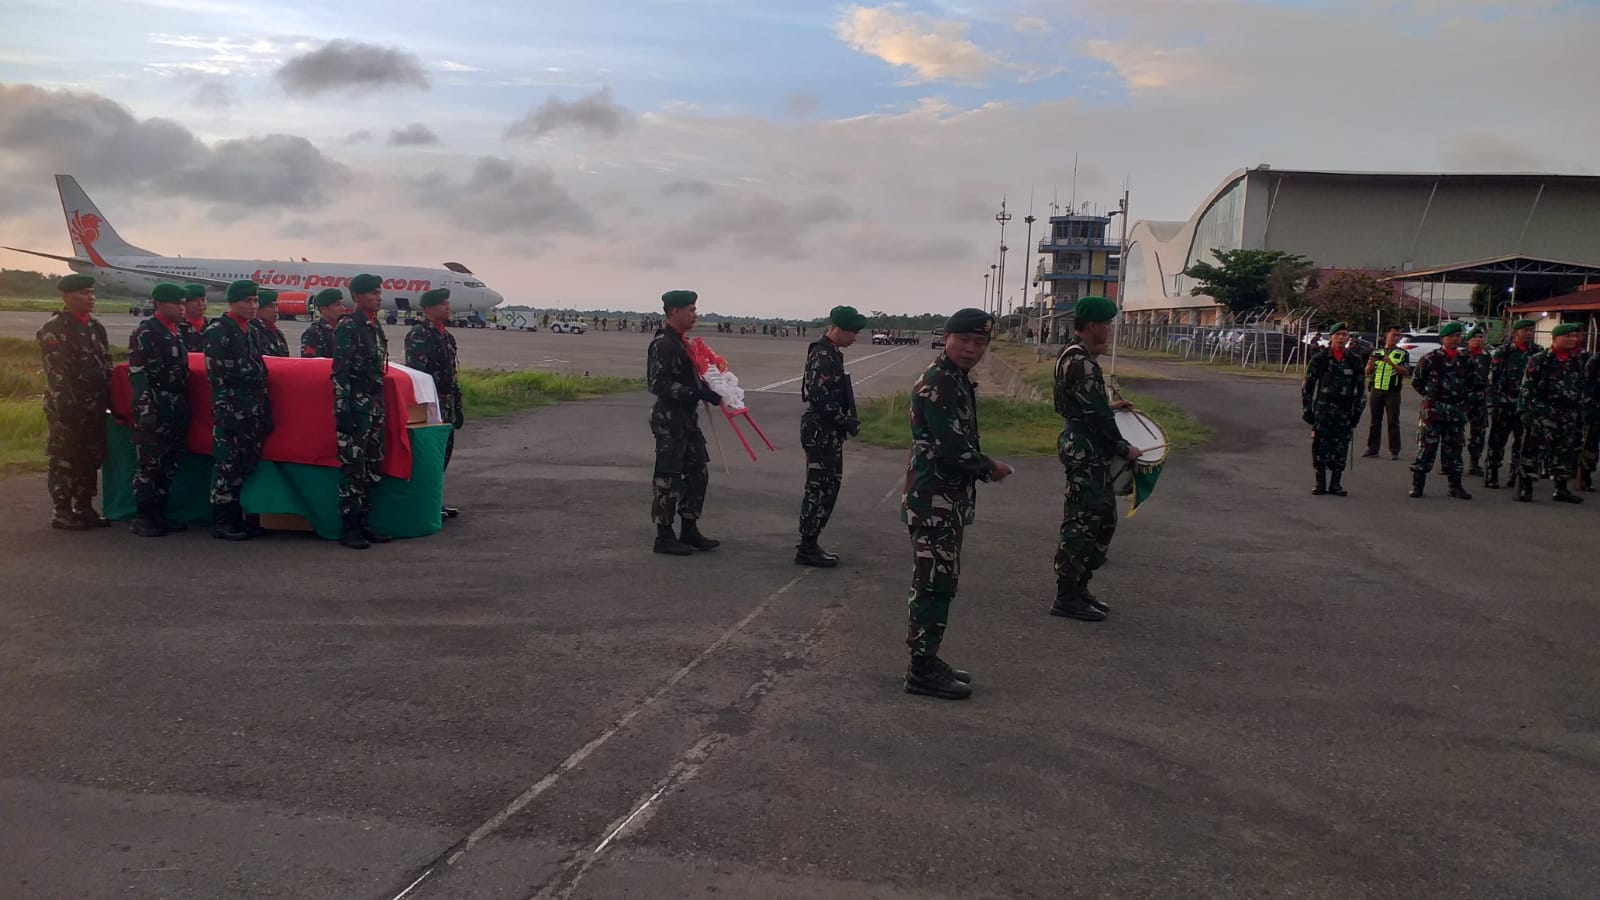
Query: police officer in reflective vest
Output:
(1384,371)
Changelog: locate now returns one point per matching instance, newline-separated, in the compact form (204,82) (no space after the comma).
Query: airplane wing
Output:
(67,259)
(219,283)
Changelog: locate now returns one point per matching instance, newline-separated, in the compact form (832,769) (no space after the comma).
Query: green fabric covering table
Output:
(399,507)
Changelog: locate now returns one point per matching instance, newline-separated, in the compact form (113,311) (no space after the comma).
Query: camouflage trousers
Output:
(1088,521)
(360,454)
(159,451)
(1591,444)
(236,447)
(824,475)
(681,476)
(1551,444)
(1503,425)
(935,570)
(1330,442)
(77,448)
(1477,433)
(1442,439)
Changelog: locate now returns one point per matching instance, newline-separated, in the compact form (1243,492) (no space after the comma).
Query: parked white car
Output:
(560,327)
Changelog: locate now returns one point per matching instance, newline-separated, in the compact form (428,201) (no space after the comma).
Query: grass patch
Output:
(17,304)
(487,393)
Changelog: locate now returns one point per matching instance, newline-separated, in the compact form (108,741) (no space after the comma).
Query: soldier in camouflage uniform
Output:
(360,359)
(158,368)
(193,327)
(431,348)
(1591,422)
(317,339)
(1478,406)
(940,496)
(1507,365)
(1089,444)
(1447,379)
(1332,398)
(271,340)
(77,371)
(241,417)
(1551,403)
(829,417)
(680,479)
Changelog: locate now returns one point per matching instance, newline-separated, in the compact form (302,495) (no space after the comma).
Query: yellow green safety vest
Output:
(1384,375)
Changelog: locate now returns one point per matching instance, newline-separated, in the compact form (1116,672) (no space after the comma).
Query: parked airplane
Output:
(101,252)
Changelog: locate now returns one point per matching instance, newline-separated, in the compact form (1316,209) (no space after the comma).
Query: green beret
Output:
(267,297)
(676,299)
(1337,327)
(74,283)
(194,291)
(1566,328)
(167,292)
(434,297)
(847,318)
(1522,323)
(1477,331)
(243,289)
(1449,328)
(328,297)
(365,284)
(970,321)
(1094,309)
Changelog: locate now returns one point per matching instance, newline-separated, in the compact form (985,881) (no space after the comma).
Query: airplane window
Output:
(458,267)
(473,284)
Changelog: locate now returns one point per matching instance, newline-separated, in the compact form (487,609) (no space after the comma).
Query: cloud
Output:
(359,137)
(413,135)
(1030,25)
(1149,67)
(690,187)
(595,114)
(1484,152)
(214,94)
(348,65)
(499,198)
(935,49)
(878,243)
(449,66)
(222,56)
(269,171)
(800,105)
(759,223)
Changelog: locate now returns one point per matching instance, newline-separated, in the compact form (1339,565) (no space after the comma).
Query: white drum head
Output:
(1141,431)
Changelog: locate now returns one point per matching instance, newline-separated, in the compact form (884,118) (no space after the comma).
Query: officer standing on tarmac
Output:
(1090,442)
(1551,403)
(77,372)
(829,417)
(1507,364)
(317,339)
(193,326)
(360,359)
(1331,398)
(1385,372)
(681,476)
(1447,379)
(241,416)
(158,369)
(940,497)
(431,348)
(272,341)
(1478,406)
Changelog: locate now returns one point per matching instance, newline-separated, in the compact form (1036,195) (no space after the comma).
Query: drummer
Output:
(1090,443)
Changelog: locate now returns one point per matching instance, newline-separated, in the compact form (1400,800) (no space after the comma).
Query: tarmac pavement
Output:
(1368,696)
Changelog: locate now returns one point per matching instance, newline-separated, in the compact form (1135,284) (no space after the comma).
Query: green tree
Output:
(1247,280)
(1357,299)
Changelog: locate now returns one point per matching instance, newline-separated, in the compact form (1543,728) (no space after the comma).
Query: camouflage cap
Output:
(434,297)
(72,283)
(267,297)
(328,297)
(1449,328)
(1566,328)
(365,284)
(194,291)
(1094,309)
(970,321)
(677,299)
(243,289)
(167,292)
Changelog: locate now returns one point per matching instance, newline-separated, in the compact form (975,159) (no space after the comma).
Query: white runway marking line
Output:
(802,374)
(582,753)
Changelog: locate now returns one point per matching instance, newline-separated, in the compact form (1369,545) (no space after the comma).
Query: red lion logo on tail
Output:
(85,229)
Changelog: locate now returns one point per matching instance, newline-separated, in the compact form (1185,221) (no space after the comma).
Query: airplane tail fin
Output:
(92,235)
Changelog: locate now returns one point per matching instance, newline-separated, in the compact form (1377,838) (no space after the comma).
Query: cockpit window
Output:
(458,267)
(473,284)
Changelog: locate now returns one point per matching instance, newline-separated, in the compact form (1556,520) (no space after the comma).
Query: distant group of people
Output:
(1545,402)
(77,366)
(938,500)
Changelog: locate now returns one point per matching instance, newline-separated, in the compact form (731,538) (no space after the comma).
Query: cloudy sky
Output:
(778,157)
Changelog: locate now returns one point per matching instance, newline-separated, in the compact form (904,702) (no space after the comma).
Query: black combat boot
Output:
(926,675)
(1456,490)
(1475,469)
(351,536)
(1564,495)
(809,553)
(1491,478)
(690,535)
(1586,481)
(1334,487)
(1322,483)
(67,520)
(89,515)
(1418,480)
(667,542)
(450,512)
(1091,599)
(147,524)
(961,675)
(367,532)
(224,525)
(252,525)
(1524,488)
(1071,604)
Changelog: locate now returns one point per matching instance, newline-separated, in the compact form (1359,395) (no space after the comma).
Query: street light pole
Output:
(986,290)
(994,283)
(1122,268)
(1000,284)
(1030,219)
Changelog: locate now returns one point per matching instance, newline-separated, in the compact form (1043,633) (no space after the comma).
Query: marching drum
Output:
(1139,430)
